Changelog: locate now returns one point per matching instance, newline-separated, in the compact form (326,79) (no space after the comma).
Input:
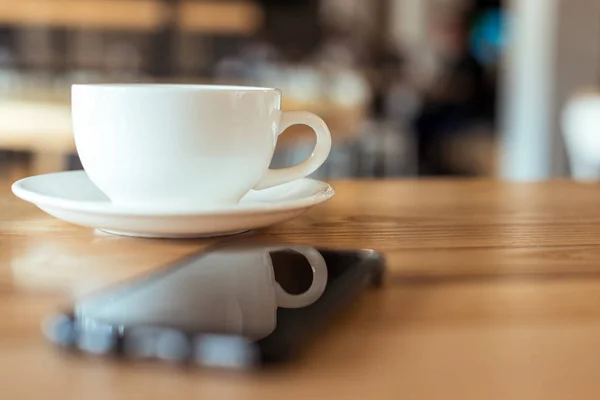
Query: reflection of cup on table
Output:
(231,291)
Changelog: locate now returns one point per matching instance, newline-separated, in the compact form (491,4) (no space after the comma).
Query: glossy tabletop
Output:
(493,292)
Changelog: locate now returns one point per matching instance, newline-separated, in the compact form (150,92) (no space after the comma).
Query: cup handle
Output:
(275,177)
(317,287)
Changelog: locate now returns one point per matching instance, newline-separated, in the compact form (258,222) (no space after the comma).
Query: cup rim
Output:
(173,86)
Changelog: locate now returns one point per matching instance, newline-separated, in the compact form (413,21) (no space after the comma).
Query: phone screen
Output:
(232,306)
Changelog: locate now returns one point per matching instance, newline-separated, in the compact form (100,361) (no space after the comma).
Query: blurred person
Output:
(456,100)
(386,143)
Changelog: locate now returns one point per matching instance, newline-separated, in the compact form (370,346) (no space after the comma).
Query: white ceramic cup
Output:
(170,146)
(231,291)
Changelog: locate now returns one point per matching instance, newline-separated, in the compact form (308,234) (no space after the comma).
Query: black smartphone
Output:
(233,306)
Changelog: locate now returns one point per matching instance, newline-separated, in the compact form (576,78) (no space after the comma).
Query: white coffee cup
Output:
(230,291)
(179,146)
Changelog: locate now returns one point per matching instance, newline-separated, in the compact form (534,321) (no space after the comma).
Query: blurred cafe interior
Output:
(408,87)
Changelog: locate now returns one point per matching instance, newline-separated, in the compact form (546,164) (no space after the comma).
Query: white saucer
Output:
(72,197)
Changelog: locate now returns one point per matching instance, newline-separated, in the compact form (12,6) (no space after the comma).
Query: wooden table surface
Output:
(493,292)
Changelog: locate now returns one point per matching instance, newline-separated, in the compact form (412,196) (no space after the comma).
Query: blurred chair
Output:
(581,129)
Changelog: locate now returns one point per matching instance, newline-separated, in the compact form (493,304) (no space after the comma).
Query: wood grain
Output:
(493,292)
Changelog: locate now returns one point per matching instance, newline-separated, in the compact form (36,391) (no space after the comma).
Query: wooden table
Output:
(493,292)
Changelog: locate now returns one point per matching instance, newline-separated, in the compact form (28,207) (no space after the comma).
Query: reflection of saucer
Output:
(72,197)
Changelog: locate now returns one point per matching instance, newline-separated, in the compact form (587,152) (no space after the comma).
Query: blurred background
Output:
(408,87)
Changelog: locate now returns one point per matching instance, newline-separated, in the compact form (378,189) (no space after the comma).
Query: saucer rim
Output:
(108,208)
